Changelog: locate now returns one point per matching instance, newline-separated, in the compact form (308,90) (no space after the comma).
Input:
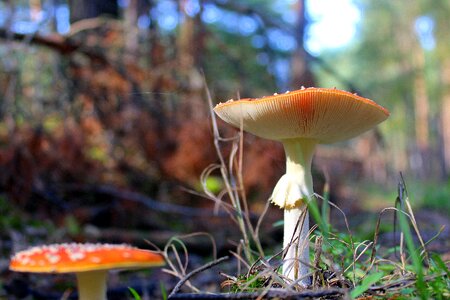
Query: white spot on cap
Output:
(25,260)
(52,258)
(74,256)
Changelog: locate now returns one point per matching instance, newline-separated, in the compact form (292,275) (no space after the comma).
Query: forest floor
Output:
(157,283)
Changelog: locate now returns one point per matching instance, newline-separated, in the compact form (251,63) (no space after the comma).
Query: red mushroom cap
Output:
(72,258)
(321,114)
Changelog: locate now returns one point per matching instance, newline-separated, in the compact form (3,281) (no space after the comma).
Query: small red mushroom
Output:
(90,263)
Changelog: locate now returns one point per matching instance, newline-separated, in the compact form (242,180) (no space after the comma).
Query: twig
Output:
(317,254)
(194,272)
(402,283)
(272,293)
(145,200)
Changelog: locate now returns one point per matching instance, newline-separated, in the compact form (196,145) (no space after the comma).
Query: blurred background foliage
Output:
(104,121)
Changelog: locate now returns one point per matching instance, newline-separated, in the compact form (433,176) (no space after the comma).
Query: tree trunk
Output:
(187,47)
(131,16)
(185,40)
(421,102)
(445,115)
(422,112)
(301,74)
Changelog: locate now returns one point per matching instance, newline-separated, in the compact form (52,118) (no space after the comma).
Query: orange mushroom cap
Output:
(73,258)
(325,115)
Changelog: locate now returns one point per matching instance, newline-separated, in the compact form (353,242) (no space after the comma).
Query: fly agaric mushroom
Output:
(90,263)
(300,120)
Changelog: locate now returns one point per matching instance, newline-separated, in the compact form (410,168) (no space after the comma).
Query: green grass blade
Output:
(315,213)
(163,289)
(440,264)
(414,254)
(326,208)
(134,293)
(365,284)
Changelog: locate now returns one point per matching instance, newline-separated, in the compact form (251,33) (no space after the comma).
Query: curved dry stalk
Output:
(183,267)
(435,236)
(298,281)
(202,233)
(217,199)
(204,177)
(233,184)
(375,240)
(356,258)
(194,272)
(227,176)
(416,229)
(402,190)
(377,227)
(376,233)
(240,260)
(269,272)
(181,272)
(218,202)
(243,196)
(347,226)
(261,217)
(179,268)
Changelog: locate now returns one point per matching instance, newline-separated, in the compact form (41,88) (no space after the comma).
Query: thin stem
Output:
(227,177)
(292,193)
(194,272)
(92,285)
(296,243)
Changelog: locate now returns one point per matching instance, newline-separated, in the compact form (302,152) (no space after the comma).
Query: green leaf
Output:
(214,184)
(315,212)
(134,293)
(365,284)
(407,291)
(163,289)
(440,263)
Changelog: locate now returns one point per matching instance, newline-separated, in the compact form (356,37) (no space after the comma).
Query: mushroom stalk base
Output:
(92,285)
(292,192)
(296,242)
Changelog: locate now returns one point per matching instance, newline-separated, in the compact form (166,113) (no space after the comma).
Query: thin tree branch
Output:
(145,200)
(56,42)
(271,294)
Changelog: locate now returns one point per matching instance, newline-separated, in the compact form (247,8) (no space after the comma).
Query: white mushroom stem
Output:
(296,244)
(291,193)
(92,285)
